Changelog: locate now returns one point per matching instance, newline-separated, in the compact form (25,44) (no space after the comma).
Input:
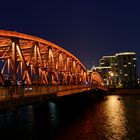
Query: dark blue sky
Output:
(88,29)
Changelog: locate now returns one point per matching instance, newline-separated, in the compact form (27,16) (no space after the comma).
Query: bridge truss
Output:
(33,60)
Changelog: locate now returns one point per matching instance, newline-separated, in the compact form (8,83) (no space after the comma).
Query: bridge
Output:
(33,69)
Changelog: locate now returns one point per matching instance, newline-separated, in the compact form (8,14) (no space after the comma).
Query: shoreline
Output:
(124,91)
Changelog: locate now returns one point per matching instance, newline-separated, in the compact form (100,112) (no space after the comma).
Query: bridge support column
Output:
(36,68)
(14,43)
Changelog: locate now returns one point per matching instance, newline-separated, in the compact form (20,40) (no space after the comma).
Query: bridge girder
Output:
(37,61)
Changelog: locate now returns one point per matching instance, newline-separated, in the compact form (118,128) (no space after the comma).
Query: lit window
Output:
(125,65)
(129,63)
(125,74)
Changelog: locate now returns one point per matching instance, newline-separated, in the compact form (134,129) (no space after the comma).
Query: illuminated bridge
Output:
(33,69)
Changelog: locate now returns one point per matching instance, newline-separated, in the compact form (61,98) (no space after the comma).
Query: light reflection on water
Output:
(103,120)
(116,125)
(117,118)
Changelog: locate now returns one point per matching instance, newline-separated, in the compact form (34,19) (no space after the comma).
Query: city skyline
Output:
(88,29)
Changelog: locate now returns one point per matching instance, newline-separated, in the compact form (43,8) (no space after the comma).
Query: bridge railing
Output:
(11,92)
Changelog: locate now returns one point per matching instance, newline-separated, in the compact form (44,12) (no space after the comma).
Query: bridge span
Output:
(16,96)
(32,68)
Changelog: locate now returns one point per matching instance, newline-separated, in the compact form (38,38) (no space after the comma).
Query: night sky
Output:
(88,29)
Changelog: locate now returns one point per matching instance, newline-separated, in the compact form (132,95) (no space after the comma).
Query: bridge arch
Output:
(95,78)
(37,61)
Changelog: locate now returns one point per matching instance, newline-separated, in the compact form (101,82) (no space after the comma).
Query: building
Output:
(119,70)
(126,69)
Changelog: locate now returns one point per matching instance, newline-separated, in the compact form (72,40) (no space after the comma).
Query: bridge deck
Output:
(22,95)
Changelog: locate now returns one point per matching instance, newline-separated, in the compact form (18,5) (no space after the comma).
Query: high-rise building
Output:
(126,69)
(119,70)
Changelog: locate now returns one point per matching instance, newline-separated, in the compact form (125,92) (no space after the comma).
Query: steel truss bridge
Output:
(41,67)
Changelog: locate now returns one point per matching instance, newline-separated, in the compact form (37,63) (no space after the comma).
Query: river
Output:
(115,118)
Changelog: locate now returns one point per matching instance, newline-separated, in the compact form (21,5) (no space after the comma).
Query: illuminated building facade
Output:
(119,70)
(126,69)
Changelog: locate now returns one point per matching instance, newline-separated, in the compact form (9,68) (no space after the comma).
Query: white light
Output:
(111,73)
(125,65)
(108,56)
(125,53)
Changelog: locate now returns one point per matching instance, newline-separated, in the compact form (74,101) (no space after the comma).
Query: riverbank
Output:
(124,91)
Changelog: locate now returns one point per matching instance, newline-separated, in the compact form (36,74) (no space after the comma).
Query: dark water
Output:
(117,118)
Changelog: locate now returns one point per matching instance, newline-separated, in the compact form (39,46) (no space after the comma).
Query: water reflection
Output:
(116,125)
(52,114)
(17,124)
(103,120)
(111,119)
